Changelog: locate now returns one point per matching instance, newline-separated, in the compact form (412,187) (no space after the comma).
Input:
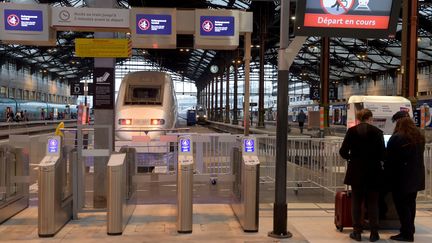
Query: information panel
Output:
(53,145)
(249,145)
(23,20)
(153,24)
(103,47)
(217,25)
(103,79)
(340,17)
(185,145)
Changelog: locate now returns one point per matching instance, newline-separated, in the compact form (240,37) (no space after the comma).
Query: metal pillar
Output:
(247,57)
(227,98)
(409,49)
(221,97)
(216,109)
(208,100)
(280,207)
(325,79)
(235,109)
(261,111)
(102,117)
(212,100)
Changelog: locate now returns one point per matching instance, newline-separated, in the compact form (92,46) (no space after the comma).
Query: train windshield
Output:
(144,95)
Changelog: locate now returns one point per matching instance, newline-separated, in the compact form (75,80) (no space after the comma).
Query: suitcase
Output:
(343,210)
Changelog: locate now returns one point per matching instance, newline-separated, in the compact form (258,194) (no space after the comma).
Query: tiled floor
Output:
(212,223)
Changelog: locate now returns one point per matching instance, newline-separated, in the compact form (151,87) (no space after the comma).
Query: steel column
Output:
(247,57)
(216,108)
(261,110)
(221,97)
(235,109)
(280,215)
(409,49)
(325,78)
(227,101)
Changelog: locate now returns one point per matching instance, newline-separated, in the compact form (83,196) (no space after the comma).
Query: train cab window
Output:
(144,95)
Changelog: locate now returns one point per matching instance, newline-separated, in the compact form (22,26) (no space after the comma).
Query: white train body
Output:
(146,101)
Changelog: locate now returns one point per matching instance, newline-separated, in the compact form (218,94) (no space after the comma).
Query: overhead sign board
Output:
(376,19)
(69,18)
(26,24)
(103,80)
(153,28)
(217,25)
(216,29)
(103,48)
(79,88)
(23,20)
(153,24)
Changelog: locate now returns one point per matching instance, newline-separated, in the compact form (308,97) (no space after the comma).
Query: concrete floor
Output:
(212,223)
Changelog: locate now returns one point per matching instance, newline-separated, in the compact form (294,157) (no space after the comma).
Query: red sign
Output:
(346,21)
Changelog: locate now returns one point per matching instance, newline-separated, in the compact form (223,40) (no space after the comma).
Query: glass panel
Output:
(144,95)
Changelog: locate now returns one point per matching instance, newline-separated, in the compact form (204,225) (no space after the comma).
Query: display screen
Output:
(23,20)
(341,18)
(53,146)
(185,145)
(249,145)
(217,25)
(153,24)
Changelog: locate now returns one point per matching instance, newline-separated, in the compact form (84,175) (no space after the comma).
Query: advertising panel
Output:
(330,18)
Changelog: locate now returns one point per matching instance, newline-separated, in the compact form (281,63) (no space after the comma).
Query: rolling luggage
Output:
(343,210)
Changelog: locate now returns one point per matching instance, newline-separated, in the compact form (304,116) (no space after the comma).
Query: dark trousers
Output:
(360,195)
(301,126)
(405,204)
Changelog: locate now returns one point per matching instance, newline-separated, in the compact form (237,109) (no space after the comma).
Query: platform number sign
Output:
(185,145)
(249,145)
(53,145)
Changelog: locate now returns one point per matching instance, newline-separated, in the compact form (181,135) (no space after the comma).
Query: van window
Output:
(138,95)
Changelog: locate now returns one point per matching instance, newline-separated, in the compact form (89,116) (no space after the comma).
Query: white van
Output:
(382,107)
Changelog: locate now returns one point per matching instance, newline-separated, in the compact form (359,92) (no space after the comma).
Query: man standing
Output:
(301,118)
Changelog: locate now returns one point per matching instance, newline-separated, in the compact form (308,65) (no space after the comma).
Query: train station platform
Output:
(308,222)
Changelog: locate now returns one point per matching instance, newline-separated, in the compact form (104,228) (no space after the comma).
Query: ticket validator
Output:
(184,184)
(246,200)
(55,190)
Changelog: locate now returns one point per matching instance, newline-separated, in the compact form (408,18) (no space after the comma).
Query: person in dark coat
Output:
(363,148)
(301,118)
(405,164)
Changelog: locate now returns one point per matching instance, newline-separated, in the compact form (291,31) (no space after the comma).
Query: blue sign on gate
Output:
(185,145)
(53,146)
(249,145)
(217,25)
(23,20)
(153,24)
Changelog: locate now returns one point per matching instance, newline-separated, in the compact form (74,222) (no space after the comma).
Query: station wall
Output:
(21,84)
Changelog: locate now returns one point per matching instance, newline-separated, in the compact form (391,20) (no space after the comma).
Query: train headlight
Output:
(157,121)
(125,121)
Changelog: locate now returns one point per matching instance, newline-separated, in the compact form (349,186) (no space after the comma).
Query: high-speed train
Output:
(146,101)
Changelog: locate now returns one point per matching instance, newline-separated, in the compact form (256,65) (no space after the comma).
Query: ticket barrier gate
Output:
(14,185)
(121,196)
(55,188)
(184,184)
(246,186)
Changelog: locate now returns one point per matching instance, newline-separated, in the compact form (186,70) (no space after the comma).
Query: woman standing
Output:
(363,147)
(407,173)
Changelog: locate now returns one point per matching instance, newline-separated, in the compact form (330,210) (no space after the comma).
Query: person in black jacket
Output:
(363,147)
(405,164)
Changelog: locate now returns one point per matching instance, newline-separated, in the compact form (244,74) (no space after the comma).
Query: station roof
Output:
(350,59)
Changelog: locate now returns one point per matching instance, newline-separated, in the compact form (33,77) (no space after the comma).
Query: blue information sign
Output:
(217,25)
(249,145)
(153,24)
(23,20)
(53,146)
(185,145)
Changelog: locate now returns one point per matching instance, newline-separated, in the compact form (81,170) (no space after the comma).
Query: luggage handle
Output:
(348,190)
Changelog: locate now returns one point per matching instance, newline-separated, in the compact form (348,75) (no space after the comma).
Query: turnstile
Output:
(14,185)
(184,184)
(246,185)
(121,196)
(55,188)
